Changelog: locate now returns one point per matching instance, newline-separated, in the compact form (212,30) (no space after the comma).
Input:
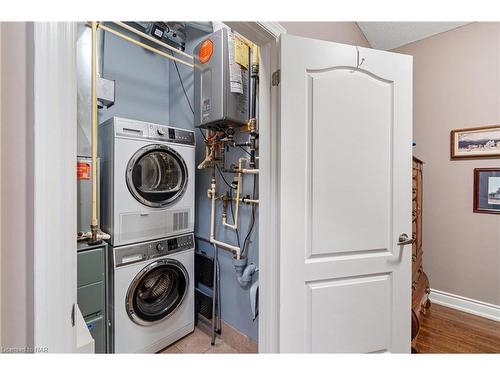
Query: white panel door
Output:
(346,136)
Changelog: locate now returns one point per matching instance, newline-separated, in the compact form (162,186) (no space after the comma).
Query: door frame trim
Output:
(54,212)
(58,241)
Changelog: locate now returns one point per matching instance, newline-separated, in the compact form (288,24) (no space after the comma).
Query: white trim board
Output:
(54,176)
(468,305)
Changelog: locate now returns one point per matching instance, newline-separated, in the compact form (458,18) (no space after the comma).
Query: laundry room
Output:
(262,184)
(168,187)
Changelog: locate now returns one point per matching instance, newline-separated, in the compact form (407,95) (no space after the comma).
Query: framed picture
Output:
(483,142)
(487,190)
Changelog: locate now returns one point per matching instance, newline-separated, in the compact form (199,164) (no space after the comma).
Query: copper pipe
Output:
(149,48)
(93,223)
(151,39)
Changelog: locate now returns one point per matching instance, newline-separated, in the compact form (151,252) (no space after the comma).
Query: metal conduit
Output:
(154,40)
(93,222)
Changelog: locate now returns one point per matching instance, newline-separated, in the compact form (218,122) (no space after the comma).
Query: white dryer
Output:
(147,180)
(153,301)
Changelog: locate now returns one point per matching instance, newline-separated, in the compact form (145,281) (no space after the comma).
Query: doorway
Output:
(119,62)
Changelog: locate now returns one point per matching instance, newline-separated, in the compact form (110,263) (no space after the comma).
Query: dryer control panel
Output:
(174,135)
(139,129)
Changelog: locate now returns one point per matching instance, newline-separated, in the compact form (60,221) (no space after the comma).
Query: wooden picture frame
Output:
(487,190)
(471,143)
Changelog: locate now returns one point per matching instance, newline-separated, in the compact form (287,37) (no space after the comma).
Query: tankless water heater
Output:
(221,81)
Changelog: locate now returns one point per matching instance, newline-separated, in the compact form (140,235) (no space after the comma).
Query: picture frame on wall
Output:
(487,190)
(480,142)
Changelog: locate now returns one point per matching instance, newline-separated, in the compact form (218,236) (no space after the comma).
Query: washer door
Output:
(157,176)
(157,291)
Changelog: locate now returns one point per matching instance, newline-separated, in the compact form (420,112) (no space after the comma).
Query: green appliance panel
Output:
(97,328)
(91,292)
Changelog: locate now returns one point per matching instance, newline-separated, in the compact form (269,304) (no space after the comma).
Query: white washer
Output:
(147,180)
(153,301)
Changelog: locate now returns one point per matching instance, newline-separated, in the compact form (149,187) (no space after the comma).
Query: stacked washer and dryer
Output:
(147,195)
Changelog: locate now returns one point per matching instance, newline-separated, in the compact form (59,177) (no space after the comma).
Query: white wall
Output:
(17,184)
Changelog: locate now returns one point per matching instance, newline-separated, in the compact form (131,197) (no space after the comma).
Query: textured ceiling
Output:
(389,35)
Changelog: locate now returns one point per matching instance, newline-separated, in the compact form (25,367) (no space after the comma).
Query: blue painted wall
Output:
(142,81)
(148,89)
(235,301)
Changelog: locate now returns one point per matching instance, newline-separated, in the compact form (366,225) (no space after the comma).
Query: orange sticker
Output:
(206,50)
(82,171)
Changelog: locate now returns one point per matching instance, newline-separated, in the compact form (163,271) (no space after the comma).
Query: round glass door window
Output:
(157,292)
(157,176)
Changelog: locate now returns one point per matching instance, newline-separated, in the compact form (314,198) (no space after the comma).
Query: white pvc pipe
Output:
(233,248)
(212,193)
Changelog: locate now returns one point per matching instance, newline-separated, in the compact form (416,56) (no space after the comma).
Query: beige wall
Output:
(456,85)
(341,32)
(16,160)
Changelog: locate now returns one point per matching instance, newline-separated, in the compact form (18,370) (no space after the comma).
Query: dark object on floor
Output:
(207,291)
(202,304)
(420,283)
(204,269)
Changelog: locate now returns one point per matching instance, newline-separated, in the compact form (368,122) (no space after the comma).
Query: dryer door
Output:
(157,176)
(157,291)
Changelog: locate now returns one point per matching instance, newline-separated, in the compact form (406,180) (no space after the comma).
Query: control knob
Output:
(160,247)
(161,131)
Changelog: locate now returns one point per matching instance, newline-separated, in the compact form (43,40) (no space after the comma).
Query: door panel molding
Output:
(345,168)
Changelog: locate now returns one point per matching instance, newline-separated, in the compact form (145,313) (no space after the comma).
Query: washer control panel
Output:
(172,245)
(141,252)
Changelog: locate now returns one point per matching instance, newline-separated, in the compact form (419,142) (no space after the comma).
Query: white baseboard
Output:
(468,305)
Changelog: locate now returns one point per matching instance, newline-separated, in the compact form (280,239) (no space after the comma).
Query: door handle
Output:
(404,240)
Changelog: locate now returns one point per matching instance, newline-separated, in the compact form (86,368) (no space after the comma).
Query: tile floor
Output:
(198,342)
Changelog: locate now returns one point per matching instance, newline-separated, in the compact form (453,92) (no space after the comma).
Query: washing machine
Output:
(147,180)
(152,303)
